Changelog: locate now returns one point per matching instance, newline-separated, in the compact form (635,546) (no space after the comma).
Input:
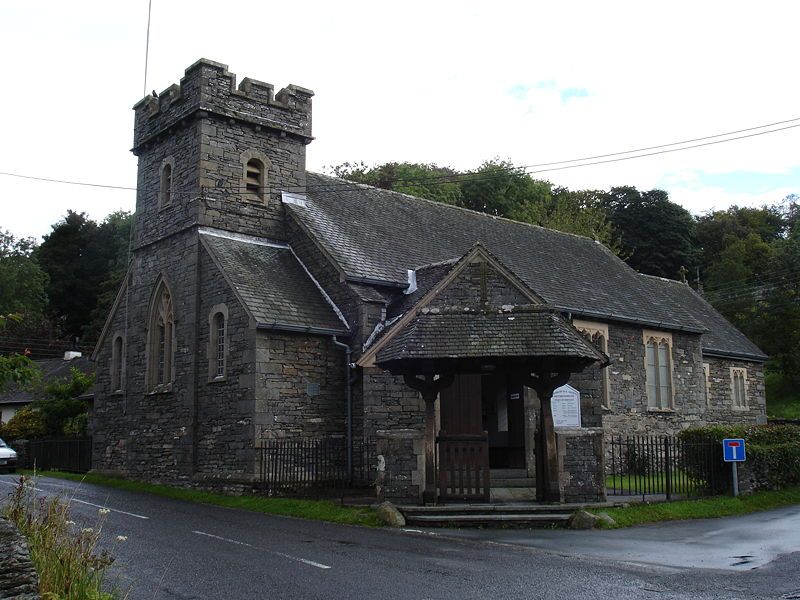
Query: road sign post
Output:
(733,452)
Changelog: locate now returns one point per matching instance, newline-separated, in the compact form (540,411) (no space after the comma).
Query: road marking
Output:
(122,512)
(281,554)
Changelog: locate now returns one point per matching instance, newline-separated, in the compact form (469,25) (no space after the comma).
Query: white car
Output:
(8,458)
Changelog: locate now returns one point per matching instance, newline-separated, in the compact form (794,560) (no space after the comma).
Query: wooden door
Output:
(463,445)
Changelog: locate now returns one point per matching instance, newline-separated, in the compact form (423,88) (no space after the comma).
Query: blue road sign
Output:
(733,450)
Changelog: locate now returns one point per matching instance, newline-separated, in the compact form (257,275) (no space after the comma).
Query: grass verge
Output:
(318,510)
(66,557)
(704,508)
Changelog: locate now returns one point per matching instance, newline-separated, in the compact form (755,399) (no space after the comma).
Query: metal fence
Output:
(312,467)
(73,455)
(663,466)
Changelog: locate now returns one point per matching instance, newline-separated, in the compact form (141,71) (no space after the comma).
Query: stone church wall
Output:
(158,426)
(109,423)
(225,406)
(627,411)
(300,390)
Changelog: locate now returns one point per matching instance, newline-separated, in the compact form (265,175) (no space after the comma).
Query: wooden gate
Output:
(463,466)
(462,443)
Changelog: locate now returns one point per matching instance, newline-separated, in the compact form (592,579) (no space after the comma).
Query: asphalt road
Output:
(176,549)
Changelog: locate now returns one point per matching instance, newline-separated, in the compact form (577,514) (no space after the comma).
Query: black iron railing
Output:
(308,467)
(663,466)
(74,455)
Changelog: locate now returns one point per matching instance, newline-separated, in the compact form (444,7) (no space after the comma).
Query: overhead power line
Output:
(472,176)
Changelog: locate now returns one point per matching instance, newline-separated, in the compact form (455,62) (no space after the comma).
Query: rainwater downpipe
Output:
(348,382)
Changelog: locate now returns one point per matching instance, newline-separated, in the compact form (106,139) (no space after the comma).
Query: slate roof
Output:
(531,332)
(53,369)
(376,235)
(272,284)
(722,338)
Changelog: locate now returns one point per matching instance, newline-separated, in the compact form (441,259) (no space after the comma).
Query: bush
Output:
(773,453)
(27,424)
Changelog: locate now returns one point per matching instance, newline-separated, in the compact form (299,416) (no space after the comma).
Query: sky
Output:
(451,83)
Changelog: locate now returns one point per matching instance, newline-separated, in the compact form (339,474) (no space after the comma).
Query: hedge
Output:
(773,454)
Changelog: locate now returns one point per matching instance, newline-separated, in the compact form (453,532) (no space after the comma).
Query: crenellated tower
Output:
(214,154)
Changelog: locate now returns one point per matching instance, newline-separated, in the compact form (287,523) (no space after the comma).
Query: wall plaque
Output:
(566,404)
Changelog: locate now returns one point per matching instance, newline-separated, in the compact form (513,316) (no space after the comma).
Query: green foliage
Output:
(59,405)
(706,508)
(67,558)
(424,181)
(22,281)
(656,234)
(26,424)
(783,396)
(80,257)
(18,370)
(318,510)
(773,451)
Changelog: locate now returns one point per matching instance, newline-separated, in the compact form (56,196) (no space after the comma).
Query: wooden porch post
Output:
(547,473)
(429,388)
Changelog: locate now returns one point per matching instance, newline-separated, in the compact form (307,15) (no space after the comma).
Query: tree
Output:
(22,281)
(656,234)
(424,181)
(114,234)
(59,402)
(83,259)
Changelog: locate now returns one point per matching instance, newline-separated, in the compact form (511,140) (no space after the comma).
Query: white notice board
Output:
(566,404)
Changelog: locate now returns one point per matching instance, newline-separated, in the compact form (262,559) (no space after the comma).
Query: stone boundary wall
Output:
(401,465)
(581,462)
(18,577)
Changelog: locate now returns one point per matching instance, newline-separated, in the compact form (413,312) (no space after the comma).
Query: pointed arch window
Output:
(658,370)
(217,342)
(117,364)
(739,387)
(161,341)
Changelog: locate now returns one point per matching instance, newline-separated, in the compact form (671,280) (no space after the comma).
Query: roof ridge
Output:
(453,206)
(667,279)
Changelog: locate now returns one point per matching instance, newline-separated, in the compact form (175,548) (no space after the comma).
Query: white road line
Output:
(281,554)
(122,512)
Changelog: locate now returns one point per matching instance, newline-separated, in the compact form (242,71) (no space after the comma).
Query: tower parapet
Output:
(208,87)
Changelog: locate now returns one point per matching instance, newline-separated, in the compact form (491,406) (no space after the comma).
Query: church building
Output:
(264,302)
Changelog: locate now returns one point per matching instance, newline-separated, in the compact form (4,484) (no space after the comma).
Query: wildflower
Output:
(87,530)
(122,538)
(70,522)
(104,511)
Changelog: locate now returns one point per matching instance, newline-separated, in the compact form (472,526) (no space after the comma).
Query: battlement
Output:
(208,87)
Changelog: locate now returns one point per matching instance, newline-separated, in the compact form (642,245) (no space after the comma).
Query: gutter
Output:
(349,381)
(299,328)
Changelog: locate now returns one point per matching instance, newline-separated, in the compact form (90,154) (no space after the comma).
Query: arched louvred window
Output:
(254,177)
(161,340)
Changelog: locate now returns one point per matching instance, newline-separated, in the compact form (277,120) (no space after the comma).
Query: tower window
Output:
(255,170)
(166,189)
(255,177)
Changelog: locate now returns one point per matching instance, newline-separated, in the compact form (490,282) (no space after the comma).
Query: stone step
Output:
(512,482)
(538,519)
(516,508)
(507,473)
